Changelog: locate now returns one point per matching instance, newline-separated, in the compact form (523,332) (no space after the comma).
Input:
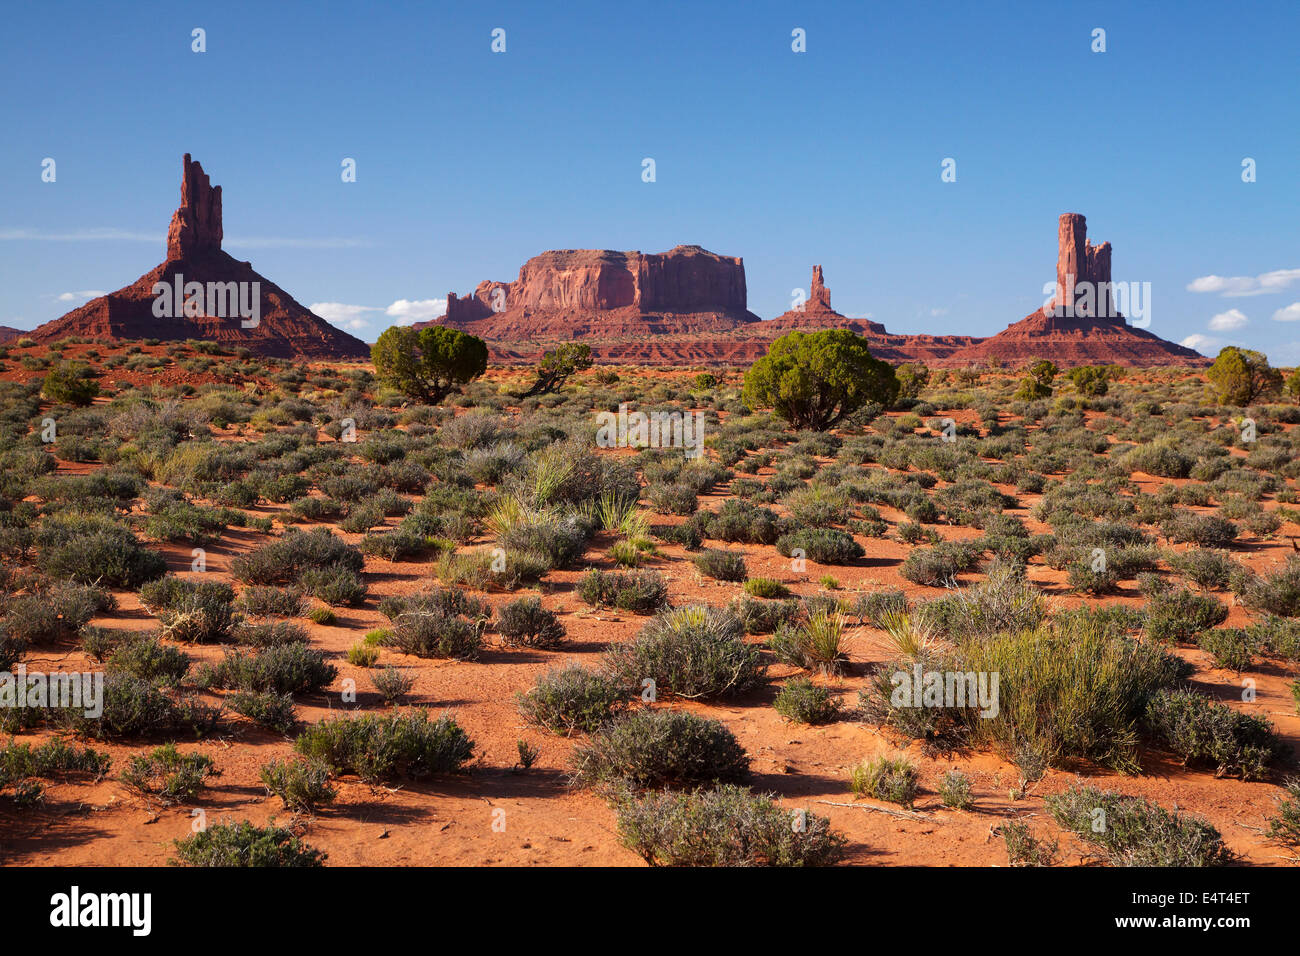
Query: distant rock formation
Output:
(569,293)
(1081,325)
(9,334)
(201,292)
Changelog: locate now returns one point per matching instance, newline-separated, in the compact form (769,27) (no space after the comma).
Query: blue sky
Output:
(469,161)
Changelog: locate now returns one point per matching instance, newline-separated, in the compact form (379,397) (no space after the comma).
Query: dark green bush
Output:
(243,844)
(696,652)
(387,747)
(571,699)
(652,749)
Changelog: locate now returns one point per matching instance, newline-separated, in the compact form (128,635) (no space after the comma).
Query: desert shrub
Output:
(1162,459)
(362,655)
(764,617)
(301,784)
(1179,615)
(149,659)
(1277,593)
(1025,849)
(740,522)
(20,763)
(393,683)
(336,586)
(804,702)
(938,565)
(1200,730)
(243,844)
(265,707)
(376,747)
(54,615)
(96,552)
(1005,601)
(282,669)
(814,644)
(271,633)
(955,790)
(641,591)
(873,607)
(195,612)
(165,772)
(131,708)
(1285,826)
(1136,832)
(694,652)
(766,588)
(265,600)
(723,826)
(70,383)
(823,545)
(721,565)
(436,634)
(571,699)
(1208,569)
(287,558)
(652,749)
(525,622)
(1232,648)
(1204,531)
(1070,692)
(672,498)
(894,779)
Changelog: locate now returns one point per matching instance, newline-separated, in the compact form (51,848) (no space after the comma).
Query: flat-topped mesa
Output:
(685,287)
(1084,267)
(196,225)
(819,297)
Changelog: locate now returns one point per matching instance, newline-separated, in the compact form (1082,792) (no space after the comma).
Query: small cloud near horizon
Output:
(1232,286)
(1290,314)
(1227,321)
(1205,344)
(355,318)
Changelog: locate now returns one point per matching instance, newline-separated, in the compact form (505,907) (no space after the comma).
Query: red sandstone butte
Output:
(571,293)
(1077,330)
(286,329)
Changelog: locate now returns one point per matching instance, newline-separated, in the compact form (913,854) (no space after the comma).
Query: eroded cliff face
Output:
(687,280)
(284,328)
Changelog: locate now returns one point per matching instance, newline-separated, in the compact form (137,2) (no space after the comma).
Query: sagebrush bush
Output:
(721,565)
(895,779)
(1200,730)
(696,652)
(376,747)
(1136,832)
(724,826)
(823,545)
(168,774)
(804,702)
(652,749)
(526,623)
(300,784)
(1177,615)
(642,592)
(282,669)
(571,699)
(243,844)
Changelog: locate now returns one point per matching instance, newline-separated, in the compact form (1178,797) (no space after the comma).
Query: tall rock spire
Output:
(196,225)
(819,297)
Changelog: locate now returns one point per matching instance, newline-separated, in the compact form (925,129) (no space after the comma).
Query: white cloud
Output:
(1205,344)
(250,242)
(351,317)
(82,235)
(355,317)
(406,311)
(1232,286)
(938,312)
(1290,314)
(1227,321)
